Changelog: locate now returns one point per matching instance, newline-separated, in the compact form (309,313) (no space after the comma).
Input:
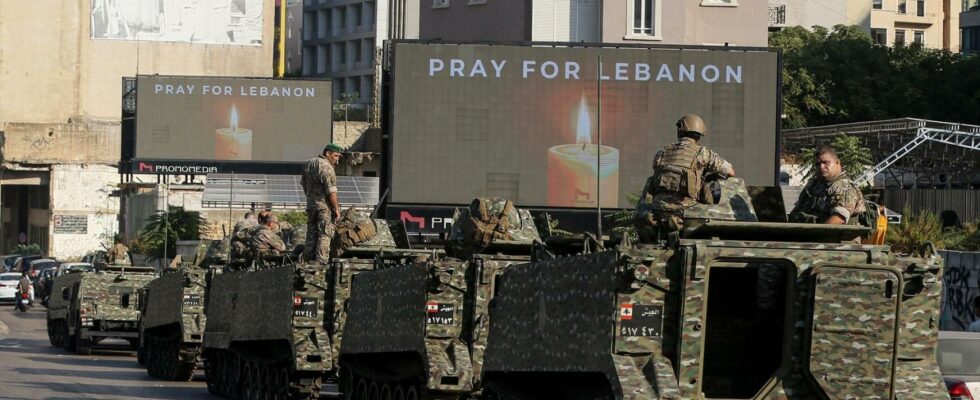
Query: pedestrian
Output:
(679,172)
(322,208)
(830,197)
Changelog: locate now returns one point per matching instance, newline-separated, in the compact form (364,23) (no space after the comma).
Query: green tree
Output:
(854,157)
(160,235)
(295,218)
(342,107)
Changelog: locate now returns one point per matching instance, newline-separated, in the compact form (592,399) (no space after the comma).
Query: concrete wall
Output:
(83,190)
(503,21)
(78,142)
(961,281)
(859,13)
(51,70)
(693,23)
(809,13)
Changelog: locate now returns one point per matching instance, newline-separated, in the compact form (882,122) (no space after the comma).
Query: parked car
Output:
(959,361)
(73,267)
(35,266)
(24,262)
(42,283)
(8,262)
(8,285)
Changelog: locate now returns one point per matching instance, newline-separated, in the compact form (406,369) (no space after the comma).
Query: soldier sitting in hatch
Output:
(830,197)
(679,172)
(118,254)
(264,241)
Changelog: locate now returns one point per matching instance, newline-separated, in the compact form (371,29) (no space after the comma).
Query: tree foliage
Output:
(833,76)
(295,218)
(854,157)
(164,229)
(924,226)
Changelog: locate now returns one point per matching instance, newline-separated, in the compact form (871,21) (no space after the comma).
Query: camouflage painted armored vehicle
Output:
(274,331)
(419,330)
(732,309)
(87,308)
(172,321)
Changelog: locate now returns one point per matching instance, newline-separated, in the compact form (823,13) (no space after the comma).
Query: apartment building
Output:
(933,23)
(704,22)
(970,27)
(827,13)
(341,39)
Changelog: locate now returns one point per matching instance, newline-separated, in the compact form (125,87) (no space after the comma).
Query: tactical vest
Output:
(354,228)
(677,171)
(487,222)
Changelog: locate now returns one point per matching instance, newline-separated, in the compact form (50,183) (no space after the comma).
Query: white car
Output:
(8,285)
(959,361)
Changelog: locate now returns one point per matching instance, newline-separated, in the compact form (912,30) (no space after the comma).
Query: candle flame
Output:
(583,129)
(234,117)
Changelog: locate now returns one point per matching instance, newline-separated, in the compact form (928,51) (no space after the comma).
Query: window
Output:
(343,17)
(899,37)
(920,37)
(901,6)
(876,4)
(644,17)
(922,8)
(880,36)
(358,15)
(358,50)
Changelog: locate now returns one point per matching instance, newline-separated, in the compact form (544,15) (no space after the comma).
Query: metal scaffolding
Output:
(936,153)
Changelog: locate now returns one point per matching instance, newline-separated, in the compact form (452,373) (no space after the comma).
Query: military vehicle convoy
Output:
(173,322)
(86,308)
(420,330)
(731,307)
(274,330)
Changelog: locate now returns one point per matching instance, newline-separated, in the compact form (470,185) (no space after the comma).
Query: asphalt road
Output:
(30,368)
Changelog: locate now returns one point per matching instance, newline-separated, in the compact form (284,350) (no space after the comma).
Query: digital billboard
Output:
(227,22)
(228,121)
(547,126)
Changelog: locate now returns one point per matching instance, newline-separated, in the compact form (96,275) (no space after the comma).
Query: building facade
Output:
(970,27)
(60,104)
(704,22)
(827,14)
(342,38)
(933,23)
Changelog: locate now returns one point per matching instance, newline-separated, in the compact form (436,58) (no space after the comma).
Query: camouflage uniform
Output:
(117,254)
(822,198)
(670,196)
(244,224)
(319,181)
(265,242)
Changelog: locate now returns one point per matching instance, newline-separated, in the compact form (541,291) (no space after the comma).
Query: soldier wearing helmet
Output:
(679,171)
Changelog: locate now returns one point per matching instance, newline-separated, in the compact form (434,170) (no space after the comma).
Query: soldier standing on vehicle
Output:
(264,240)
(322,208)
(118,253)
(679,172)
(830,197)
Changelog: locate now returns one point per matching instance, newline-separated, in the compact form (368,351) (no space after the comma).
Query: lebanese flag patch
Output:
(431,307)
(625,312)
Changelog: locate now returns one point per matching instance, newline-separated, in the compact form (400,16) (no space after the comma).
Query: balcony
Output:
(777,16)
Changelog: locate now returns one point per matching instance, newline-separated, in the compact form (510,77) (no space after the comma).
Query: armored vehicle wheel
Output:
(209,374)
(373,391)
(282,385)
(83,347)
(398,393)
(361,390)
(412,393)
(248,392)
(141,355)
(385,392)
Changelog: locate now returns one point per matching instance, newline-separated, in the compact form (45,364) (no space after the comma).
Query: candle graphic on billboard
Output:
(233,143)
(577,172)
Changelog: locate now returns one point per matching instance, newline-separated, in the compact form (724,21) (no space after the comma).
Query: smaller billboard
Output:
(228,124)
(227,22)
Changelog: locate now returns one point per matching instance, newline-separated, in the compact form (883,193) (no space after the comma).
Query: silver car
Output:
(959,361)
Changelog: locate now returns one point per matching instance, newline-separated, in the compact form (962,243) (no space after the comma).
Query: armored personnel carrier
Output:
(86,308)
(274,331)
(731,308)
(172,321)
(419,330)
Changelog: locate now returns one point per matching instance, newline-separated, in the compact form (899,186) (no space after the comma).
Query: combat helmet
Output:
(691,123)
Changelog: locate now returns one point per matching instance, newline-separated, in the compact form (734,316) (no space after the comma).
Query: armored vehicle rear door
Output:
(853,329)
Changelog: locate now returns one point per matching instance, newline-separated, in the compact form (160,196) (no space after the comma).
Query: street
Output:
(30,368)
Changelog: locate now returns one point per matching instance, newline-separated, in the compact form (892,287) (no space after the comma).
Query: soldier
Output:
(830,197)
(118,253)
(247,222)
(679,172)
(322,209)
(264,241)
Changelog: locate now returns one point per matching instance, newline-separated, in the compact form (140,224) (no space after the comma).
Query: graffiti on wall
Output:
(961,285)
